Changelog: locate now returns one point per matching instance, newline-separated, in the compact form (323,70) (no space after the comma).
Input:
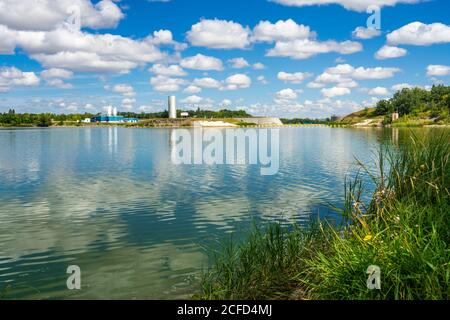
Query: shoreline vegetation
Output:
(416,107)
(11,119)
(218,122)
(221,123)
(404,229)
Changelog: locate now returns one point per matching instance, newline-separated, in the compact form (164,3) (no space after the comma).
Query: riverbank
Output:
(205,124)
(404,230)
(353,121)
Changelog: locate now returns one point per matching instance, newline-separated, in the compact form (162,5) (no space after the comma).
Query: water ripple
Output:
(110,201)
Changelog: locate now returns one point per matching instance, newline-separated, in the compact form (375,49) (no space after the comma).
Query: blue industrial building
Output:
(113,119)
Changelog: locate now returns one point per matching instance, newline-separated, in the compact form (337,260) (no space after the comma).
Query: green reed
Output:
(404,229)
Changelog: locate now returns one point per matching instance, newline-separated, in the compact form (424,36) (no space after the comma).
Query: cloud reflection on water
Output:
(111,200)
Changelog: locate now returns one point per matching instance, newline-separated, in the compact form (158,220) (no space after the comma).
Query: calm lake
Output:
(111,201)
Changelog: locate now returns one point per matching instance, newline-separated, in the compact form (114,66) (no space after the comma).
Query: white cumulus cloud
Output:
(124,89)
(286,94)
(219,34)
(56,73)
(166,84)
(282,30)
(202,62)
(207,82)
(226,103)
(237,81)
(438,70)
(81,51)
(420,34)
(306,48)
(296,77)
(59,83)
(45,15)
(259,66)
(344,75)
(192,100)
(389,52)
(335,91)
(376,73)
(379,91)
(365,33)
(239,63)
(356,5)
(192,89)
(287,97)
(128,103)
(262,79)
(401,86)
(169,71)
(12,77)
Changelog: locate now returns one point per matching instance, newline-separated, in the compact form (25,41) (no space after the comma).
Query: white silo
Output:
(115,112)
(110,111)
(172,107)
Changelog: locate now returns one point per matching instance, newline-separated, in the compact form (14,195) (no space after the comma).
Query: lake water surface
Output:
(111,201)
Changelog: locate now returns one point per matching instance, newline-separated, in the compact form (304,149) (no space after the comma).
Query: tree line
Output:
(305,121)
(11,118)
(417,102)
(198,113)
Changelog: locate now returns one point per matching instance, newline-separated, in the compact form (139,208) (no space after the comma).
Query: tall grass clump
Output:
(404,229)
(260,267)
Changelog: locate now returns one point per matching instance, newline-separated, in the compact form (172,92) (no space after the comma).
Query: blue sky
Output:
(288,58)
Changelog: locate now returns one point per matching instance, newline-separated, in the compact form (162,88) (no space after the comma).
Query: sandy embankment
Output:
(369,123)
(214,124)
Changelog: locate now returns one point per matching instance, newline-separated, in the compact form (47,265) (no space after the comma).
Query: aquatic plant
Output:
(404,229)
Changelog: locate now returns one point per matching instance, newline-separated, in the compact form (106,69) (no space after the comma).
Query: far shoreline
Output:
(84,126)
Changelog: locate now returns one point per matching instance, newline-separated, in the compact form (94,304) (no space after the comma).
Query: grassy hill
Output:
(364,117)
(416,107)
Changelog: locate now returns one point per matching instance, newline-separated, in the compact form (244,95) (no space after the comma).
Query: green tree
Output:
(384,107)
(44,121)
